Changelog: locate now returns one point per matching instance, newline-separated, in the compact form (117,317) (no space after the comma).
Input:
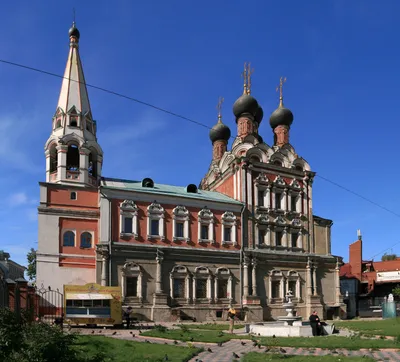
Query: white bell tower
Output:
(73,155)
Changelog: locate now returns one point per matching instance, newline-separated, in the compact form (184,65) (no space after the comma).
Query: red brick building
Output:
(365,283)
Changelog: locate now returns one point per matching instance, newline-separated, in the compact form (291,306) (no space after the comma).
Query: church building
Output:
(245,236)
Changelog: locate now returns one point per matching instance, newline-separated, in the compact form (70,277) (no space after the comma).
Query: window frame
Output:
(228,220)
(90,233)
(128,209)
(63,238)
(155,212)
(180,214)
(206,217)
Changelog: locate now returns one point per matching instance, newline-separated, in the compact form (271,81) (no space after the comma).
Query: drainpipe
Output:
(109,231)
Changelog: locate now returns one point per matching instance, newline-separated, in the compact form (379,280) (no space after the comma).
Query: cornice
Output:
(68,212)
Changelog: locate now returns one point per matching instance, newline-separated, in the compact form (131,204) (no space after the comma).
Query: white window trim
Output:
(293,275)
(155,212)
(180,272)
(80,239)
(228,220)
(128,209)
(206,217)
(297,195)
(181,214)
(276,275)
(62,240)
(203,273)
(223,274)
(132,269)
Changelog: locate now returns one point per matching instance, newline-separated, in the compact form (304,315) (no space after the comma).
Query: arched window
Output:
(276,285)
(73,158)
(155,221)
(73,121)
(202,280)
(277,163)
(180,223)
(228,230)
(53,159)
(69,238)
(180,284)
(58,123)
(206,226)
(92,169)
(86,240)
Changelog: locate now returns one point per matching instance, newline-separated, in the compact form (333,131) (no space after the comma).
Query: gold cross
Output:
(219,107)
(250,71)
(244,76)
(279,88)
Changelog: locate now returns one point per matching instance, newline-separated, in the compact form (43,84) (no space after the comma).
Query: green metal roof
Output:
(167,190)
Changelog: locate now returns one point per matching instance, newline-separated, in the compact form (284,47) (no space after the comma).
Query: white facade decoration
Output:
(223,274)
(202,273)
(276,276)
(181,215)
(155,212)
(180,272)
(294,276)
(228,220)
(128,214)
(206,217)
(134,270)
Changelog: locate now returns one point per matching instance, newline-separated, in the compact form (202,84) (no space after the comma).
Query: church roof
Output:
(73,89)
(167,190)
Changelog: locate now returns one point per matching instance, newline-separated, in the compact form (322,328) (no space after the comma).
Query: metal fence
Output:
(49,304)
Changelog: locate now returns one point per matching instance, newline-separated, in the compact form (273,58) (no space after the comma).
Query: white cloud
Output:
(17,199)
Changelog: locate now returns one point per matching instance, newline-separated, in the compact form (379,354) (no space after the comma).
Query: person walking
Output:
(127,317)
(231,317)
(315,323)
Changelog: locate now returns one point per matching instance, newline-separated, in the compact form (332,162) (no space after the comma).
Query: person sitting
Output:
(315,323)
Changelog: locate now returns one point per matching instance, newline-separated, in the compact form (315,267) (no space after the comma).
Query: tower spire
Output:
(219,108)
(279,89)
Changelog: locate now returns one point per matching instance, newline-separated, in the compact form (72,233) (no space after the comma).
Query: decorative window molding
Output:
(155,212)
(180,216)
(180,272)
(279,181)
(133,270)
(86,240)
(262,179)
(263,218)
(293,277)
(263,197)
(228,230)
(68,238)
(202,274)
(206,218)
(280,221)
(295,184)
(276,276)
(296,222)
(297,196)
(128,223)
(264,235)
(223,276)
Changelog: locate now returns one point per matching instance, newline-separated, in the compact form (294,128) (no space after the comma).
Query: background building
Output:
(366,283)
(179,250)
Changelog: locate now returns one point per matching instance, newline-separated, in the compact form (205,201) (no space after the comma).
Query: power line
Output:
(178,116)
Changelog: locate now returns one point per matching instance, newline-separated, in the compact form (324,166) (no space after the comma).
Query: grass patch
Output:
(211,326)
(329,342)
(384,327)
(118,350)
(258,357)
(351,343)
(193,335)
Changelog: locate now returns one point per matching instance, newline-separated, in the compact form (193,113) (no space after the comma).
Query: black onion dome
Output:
(281,117)
(220,132)
(73,31)
(245,104)
(259,115)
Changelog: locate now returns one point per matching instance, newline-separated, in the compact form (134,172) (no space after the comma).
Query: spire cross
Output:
(245,78)
(250,71)
(279,89)
(219,108)
(73,13)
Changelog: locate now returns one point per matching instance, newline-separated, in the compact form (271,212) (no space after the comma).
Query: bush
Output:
(24,341)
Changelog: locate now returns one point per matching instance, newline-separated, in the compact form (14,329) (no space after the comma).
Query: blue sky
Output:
(340,58)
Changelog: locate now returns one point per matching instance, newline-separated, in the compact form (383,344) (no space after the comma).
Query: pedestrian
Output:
(127,316)
(231,317)
(315,323)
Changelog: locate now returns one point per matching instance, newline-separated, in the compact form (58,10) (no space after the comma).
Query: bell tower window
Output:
(73,158)
(73,122)
(53,159)
(92,168)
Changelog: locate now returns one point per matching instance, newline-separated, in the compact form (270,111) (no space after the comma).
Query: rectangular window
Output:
(128,225)
(278,197)
(179,288)
(227,233)
(261,236)
(275,289)
(201,288)
(260,198)
(131,286)
(155,227)
(222,288)
(295,236)
(278,238)
(292,287)
(179,229)
(204,232)
(293,202)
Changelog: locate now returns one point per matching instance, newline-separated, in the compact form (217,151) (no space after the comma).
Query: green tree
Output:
(31,270)
(386,257)
(396,290)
